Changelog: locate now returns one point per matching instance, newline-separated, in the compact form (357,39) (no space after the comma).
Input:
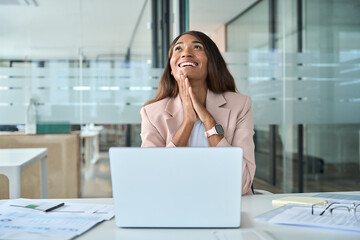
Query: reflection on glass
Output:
(305,94)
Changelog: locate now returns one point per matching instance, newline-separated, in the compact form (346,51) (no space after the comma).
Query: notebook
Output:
(177,187)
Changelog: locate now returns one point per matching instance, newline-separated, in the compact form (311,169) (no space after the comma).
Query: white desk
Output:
(251,207)
(14,161)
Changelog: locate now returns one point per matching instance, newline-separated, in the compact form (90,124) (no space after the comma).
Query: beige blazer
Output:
(161,120)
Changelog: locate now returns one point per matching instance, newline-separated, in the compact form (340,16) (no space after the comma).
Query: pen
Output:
(54,207)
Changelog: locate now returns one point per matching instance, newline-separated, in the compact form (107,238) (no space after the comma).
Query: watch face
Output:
(219,129)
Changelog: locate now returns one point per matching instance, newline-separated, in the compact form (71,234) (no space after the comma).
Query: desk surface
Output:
(252,206)
(19,156)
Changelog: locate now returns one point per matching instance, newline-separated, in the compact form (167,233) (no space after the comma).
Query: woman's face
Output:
(190,58)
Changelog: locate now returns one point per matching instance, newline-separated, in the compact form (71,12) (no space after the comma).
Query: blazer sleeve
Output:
(150,136)
(243,137)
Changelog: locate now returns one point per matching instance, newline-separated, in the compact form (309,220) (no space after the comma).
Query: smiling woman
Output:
(197,104)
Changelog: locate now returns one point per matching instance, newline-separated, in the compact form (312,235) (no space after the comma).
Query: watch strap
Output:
(210,132)
(213,131)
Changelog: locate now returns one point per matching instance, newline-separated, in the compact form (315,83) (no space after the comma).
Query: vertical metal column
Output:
(128,135)
(154,33)
(165,29)
(272,167)
(300,127)
(272,127)
(127,61)
(184,15)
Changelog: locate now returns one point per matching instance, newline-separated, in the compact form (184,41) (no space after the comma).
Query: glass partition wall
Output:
(299,61)
(86,64)
(332,38)
(81,62)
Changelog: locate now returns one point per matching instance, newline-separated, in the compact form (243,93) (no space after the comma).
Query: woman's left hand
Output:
(204,116)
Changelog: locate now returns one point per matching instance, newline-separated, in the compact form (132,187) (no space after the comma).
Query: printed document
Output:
(292,214)
(65,222)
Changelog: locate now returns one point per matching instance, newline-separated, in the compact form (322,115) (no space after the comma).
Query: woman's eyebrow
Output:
(192,42)
(198,42)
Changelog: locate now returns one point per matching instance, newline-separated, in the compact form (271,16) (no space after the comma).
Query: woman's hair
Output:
(218,79)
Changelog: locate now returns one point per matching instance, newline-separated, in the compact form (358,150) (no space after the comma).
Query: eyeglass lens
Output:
(357,212)
(317,210)
(340,214)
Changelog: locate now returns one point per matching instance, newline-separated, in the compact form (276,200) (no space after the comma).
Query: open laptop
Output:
(177,187)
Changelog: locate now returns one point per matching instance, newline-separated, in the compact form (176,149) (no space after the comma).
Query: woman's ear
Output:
(172,73)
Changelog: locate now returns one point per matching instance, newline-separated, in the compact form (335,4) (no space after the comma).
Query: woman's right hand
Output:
(189,112)
(182,135)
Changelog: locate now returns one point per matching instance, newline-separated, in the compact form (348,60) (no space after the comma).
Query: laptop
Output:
(177,187)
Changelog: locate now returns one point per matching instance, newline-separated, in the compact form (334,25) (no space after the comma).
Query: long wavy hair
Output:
(218,79)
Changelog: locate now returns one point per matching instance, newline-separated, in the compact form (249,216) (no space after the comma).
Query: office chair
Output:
(259,191)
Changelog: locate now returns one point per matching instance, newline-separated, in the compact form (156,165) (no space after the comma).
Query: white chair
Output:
(259,191)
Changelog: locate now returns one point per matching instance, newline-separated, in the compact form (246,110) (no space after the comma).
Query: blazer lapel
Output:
(214,104)
(175,117)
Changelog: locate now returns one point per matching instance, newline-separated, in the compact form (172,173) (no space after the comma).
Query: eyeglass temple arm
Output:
(312,208)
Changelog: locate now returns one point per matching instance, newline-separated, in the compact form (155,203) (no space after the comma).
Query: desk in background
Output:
(63,154)
(14,161)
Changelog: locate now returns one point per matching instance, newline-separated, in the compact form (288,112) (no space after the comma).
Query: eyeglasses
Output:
(340,212)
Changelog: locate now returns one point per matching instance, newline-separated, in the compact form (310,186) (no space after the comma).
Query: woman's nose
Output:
(186,53)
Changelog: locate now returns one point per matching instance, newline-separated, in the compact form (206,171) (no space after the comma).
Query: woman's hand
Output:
(204,116)
(192,107)
(189,112)
(182,135)
(199,108)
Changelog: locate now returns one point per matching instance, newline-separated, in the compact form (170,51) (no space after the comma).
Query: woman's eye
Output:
(177,48)
(198,47)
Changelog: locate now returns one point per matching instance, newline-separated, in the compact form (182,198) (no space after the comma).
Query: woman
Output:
(197,104)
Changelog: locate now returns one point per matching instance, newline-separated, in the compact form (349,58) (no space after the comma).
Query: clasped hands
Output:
(193,107)
(191,104)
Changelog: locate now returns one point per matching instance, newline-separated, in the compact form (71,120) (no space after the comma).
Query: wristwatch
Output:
(217,129)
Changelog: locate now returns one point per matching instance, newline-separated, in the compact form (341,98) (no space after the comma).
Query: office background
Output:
(97,61)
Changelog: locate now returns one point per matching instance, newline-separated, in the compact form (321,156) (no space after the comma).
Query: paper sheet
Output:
(36,204)
(301,215)
(339,197)
(63,223)
(41,225)
(104,210)
(298,200)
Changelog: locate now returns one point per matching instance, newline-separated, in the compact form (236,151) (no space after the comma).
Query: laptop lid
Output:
(177,187)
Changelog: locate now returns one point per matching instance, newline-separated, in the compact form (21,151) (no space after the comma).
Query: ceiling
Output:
(60,29)
(209,15)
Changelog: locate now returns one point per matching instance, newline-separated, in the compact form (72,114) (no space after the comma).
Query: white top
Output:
(197,137)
